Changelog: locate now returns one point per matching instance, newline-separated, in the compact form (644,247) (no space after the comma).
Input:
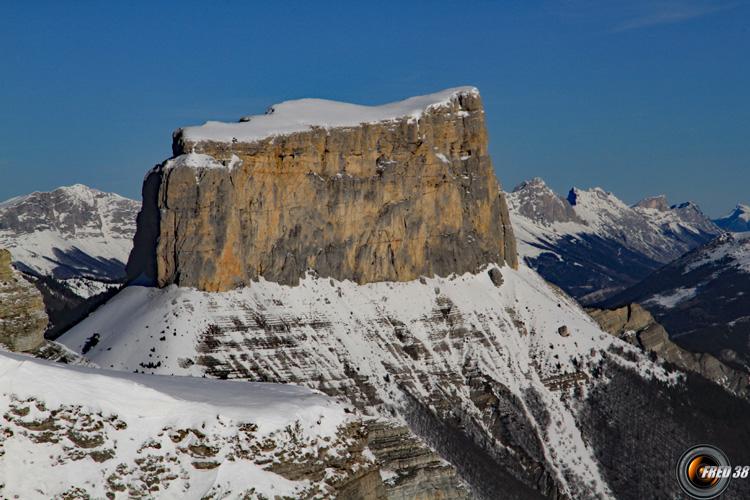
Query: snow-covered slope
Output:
(737,220)
(703,298)
(89,433)
(302,114)
(446,347)
(71,232)
(592,244)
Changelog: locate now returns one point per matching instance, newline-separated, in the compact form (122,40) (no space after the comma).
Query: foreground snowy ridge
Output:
(106,434)
(421,335)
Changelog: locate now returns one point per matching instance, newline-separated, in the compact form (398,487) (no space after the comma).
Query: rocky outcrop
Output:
(637,326)
(408,468)
(654,203)
(22,316)
(388,200)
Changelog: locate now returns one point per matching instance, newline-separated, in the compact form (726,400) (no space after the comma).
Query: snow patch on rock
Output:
(302,114)
(104,432)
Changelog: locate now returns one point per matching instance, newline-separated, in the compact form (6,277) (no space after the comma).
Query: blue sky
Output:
(638,97)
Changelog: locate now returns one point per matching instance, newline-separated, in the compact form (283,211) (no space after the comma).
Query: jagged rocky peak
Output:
(654,202)
(738,220)
(578,196)
(592,244)
(691,214)
(22,316)
(365,193)
(533,183)
(537,201)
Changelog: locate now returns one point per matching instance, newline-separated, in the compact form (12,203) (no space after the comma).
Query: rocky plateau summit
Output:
(387,193)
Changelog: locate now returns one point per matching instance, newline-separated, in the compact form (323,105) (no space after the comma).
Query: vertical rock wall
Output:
(385,201)
(22,316)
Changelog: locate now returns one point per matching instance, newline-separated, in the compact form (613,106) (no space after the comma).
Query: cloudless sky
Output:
(638,97)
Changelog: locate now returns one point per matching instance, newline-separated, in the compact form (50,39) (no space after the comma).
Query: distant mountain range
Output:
(594,245)
(72,242)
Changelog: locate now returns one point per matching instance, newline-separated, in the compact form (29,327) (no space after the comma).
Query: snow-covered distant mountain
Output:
(71,232)
(592,244)
(738,220)
(73,432)
(703,298)
(73,243)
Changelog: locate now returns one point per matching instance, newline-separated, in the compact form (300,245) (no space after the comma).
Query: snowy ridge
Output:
(299,115)
(318,332)
(737,220)
(70,232)
(728,251)
(188,437)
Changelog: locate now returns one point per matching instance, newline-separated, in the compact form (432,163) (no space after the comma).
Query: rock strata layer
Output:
(385,201)
(22,316)
(636,325)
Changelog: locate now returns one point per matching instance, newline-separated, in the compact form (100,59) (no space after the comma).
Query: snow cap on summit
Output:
(302,114)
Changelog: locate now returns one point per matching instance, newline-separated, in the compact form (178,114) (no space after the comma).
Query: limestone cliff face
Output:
(390,200)
(22,316)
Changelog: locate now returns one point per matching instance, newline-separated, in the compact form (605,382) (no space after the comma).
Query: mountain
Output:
(72,432)
(71,232)
(702,298)
(738,220)
(350,201)
(477,371)
(73,243)
(592,245)
(366,252)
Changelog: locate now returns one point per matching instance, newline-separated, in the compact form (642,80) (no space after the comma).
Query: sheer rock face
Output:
(22,316)
(385,201)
